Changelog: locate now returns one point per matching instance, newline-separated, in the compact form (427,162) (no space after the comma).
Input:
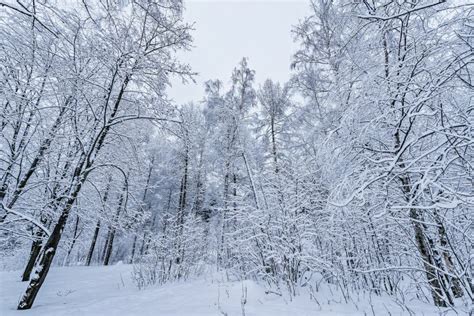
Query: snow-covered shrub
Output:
(175,253)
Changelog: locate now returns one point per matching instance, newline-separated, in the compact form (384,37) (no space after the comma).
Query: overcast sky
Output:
(226,31)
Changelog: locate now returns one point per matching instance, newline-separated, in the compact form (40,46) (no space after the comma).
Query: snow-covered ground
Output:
(110,291)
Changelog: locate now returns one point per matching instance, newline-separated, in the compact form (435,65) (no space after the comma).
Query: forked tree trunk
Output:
(47,255)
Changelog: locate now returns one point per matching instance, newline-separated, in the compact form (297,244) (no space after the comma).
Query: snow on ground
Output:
(110,291)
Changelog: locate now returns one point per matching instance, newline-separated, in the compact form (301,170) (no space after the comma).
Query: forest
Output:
(356,175)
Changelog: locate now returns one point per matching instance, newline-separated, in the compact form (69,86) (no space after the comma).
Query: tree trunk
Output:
(142,248)
(93,242)
(97,226)
(112,229)
(34,253)
(428,262)
(106,243)
(35,250)
(108,250)
(145,204)
(252,184)
(134,245)
(443,240)
(222,247)
(200,190)
(274,149)
(110,242)
(47,255)
(181,210)
(74,238)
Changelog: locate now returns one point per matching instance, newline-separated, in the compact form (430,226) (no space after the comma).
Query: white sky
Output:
(226,31)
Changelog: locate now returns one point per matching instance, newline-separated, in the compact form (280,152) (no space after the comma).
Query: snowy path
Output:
(110,291)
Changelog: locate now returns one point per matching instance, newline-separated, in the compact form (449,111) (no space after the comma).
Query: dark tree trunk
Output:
(222,250)
(108,250)
(113,229)
(34,253)
(97,226)
(274,149)
(456,287)
(74,238)
(93,242)
(252,184)
(145,204)
(106,244)
(134,245)
(40,234)
(47,255)
(35,250)
(181,210)
(423,247)
(142,248)
(428,261)
(234,191)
